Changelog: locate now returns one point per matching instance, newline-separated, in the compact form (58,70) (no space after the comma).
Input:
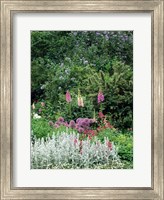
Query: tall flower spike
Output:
(68,97)
(80,101)
(100,97)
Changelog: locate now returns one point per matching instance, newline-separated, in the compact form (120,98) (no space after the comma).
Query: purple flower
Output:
(100,97)
(72,124)
(68,97)
(92,121)
(78,120)
(80,130)
(56,125)
(76,126)
(61,119)
(86,120)
(84,124)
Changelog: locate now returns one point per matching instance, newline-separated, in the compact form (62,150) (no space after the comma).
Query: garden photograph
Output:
(82,100)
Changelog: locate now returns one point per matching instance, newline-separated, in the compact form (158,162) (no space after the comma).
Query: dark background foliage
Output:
(88,61)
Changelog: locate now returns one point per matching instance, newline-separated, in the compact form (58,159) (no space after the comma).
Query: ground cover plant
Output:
(82,99)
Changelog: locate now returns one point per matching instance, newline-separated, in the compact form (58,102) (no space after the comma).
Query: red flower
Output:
(108,125)
(89,137)
(101,115)
(109,144)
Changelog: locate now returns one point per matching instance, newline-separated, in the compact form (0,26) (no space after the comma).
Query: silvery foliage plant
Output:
(66,151)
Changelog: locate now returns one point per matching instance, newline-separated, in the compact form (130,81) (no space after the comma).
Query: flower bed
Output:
(68,151)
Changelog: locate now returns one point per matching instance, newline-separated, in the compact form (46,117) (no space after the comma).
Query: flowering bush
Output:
(68,151)
(90,61)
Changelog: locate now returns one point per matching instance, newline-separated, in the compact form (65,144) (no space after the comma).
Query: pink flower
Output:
(56,125)
(66,124)
(101,115)
(100,97)
(75,141)
(60,119)
(68,97)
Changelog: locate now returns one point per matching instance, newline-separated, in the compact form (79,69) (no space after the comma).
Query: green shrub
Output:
(117,87)
(41,128)
(123,141)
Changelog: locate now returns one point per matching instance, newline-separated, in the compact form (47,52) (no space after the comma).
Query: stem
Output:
(81,112)
(101,108)
(70,109)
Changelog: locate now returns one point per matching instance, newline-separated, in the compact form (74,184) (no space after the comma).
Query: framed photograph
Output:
(82,99)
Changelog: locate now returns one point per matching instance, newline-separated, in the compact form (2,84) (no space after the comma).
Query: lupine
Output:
(68,97)
(100,97)
(80,101)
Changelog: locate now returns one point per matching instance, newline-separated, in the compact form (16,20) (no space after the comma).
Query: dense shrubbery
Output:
(88,61)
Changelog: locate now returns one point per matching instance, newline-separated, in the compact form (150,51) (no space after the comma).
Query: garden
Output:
(81,99)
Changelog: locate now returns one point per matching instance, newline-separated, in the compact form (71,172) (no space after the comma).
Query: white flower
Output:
(36,116)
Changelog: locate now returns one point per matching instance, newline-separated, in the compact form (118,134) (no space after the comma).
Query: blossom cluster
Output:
(68,151)
(81,124)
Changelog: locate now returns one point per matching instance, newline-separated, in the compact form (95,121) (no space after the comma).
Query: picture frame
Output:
(8,9)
